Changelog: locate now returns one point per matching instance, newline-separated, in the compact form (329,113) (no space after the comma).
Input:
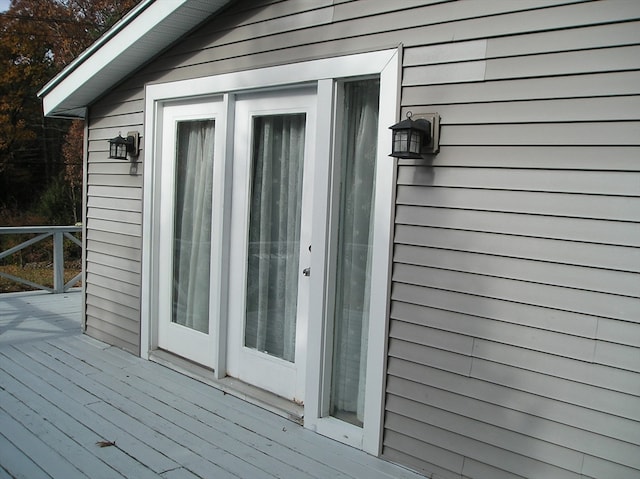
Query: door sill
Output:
(259,397)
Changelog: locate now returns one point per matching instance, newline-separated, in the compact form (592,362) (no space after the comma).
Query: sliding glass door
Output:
(271,240)
(267,233)
(189,153)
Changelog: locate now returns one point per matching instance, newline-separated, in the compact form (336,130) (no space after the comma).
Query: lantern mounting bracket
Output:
(433,146)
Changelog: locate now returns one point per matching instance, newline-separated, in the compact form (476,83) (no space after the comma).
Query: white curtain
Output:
(274,234)
(355,234)
(192,224)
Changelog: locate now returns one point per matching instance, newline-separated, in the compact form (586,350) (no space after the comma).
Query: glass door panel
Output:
(192,224)
(352,293)
(274,234)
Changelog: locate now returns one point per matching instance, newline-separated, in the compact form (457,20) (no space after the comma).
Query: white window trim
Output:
(384,63)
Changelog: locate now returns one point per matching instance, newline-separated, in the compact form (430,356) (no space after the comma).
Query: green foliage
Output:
(38,38)
(57,203)
(41,158)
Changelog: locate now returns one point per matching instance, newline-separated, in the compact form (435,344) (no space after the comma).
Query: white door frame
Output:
(322,72)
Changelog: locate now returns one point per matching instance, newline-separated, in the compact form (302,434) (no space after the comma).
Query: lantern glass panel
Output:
(415,142)
(118,148)
(400,140)
(121,150)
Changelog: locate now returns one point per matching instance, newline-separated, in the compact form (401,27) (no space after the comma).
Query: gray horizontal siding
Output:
(582,205)
(115,285)
(126,301)
(514,332)
(114,223)
(117,204)
(588,85)
(132,242)
(126,278)
(496,309)
(100,325)
(112,249)
(587,133)
(593,255)
(536,65)
(614,183)
(585,230)
(219,47)
(512,405)
(528,271)
(542,110)
(514,338)
(113,226)
(120,192)
(123,265)
(575,157)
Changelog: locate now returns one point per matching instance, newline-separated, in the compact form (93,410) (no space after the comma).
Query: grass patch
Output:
(34,262)
(41,273)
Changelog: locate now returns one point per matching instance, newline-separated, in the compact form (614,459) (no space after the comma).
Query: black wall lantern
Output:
(414,138)
(120,147)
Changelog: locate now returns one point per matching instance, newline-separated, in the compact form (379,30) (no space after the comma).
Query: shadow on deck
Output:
(64,395)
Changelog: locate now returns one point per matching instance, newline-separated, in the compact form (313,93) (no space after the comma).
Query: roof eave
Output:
(143,33)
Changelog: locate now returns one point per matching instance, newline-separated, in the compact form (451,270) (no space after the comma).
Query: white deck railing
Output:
(44,232)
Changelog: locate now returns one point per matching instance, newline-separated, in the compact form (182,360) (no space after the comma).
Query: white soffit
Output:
(144,32)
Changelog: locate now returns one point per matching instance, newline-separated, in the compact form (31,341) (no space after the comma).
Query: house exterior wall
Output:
(113,227)
(514,335)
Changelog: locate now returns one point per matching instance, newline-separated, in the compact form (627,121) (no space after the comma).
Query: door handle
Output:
(306,272)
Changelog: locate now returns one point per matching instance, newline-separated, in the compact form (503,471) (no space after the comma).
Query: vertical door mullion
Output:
(318,358)
(221,242)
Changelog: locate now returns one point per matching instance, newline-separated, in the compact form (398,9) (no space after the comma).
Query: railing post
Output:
(58,262)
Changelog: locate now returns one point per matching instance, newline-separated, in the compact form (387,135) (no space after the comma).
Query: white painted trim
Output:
(311,71)
(381,258)
(147,309)
(221,242)
(85,199)
(317,301)
(385,63)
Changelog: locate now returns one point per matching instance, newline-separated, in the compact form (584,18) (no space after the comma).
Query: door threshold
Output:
(253,395)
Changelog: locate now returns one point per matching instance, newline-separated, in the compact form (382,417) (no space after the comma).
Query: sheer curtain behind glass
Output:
(274,234)
(192,224)
(355,234)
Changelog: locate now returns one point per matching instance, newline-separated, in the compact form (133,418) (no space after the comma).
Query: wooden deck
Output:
(62,394)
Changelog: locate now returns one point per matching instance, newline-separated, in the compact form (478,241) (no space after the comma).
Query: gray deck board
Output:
(61,392)
(14,460)
(88,464)
(78,421)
